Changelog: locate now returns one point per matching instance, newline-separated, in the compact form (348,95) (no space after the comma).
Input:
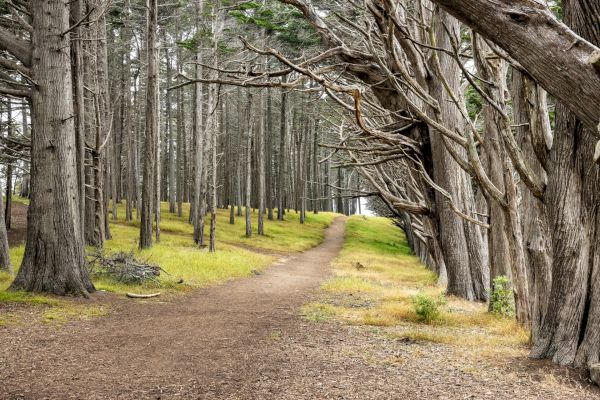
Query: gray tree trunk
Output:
(5,264)
(529,32)
(260,144)
(570,331)
(460,240)
(54,254)
(282,155)
(9,170)
(531,115)
(151,130)
(248,171)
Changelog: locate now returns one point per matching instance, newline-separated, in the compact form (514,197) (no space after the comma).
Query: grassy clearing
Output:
(375,281)
(236,256)
(280,236)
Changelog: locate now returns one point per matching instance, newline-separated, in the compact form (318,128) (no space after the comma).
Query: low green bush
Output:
(501,297)
(426,307)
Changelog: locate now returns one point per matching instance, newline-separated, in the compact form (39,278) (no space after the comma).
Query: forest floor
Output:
(296,330)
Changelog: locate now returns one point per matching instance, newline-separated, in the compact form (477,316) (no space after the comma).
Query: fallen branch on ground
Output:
(142,296)
(123,267)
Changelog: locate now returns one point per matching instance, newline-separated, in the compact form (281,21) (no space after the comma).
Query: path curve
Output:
(206,345)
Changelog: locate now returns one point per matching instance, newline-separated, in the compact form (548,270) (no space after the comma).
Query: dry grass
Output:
(375,281)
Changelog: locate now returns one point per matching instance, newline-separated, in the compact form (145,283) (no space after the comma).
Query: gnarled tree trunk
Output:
(570,332)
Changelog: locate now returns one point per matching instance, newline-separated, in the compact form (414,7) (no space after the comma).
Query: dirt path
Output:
(202,345)
(247,340)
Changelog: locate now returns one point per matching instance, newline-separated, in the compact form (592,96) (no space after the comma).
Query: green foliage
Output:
(285,23)
(201,38)
(224,49)
(501,299)
(557,9)
(473,100)
(426,307)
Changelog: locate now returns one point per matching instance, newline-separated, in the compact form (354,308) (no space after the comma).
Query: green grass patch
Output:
(281,236)
(377,282)
(180,258)
(60,315)
(318,312)
(28,298)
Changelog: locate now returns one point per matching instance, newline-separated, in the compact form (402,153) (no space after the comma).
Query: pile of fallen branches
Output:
(123,267)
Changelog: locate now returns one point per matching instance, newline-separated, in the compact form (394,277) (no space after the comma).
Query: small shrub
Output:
(501,298)
(426,307)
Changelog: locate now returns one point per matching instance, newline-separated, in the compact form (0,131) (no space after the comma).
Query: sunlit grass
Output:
(282,236)
(66,312)
(185,265)
(181,259)
(375,279)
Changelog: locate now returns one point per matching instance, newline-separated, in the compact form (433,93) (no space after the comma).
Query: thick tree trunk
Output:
(315,171)
(570,331)
(54,254)
(238,170)
(553,54)
(157,159)
(531,115)
(460,240)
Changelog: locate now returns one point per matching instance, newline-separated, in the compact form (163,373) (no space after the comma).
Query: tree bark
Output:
(248,171)
(151,126)
(5,264)
(260,144)
(461,241)
(531,113)
(564,64)
(9,171)
(54,254)
(282,155)
(570,332)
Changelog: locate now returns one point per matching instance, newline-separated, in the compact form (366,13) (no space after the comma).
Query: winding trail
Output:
(247,340)
(192,347)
